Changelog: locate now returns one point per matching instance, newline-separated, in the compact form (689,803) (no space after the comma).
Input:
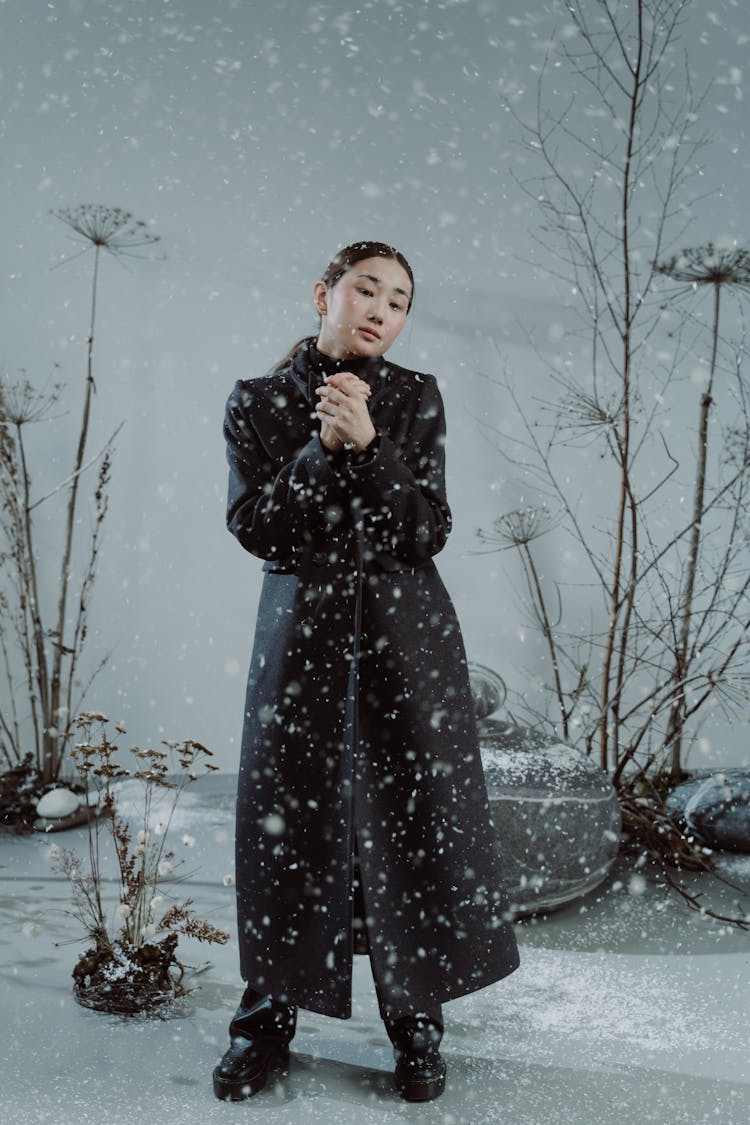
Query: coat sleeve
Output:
(402,489)
(274,513)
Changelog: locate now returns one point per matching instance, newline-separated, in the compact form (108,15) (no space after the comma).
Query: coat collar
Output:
(309,367)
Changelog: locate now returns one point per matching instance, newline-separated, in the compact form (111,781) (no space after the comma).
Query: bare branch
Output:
(79,472)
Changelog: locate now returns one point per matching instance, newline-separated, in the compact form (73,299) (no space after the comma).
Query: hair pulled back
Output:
(339,265)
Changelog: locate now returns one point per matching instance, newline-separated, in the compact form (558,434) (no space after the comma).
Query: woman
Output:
(361,798)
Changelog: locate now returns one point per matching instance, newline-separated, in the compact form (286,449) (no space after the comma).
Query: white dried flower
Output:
(165,867)
(52,852)
(123,910)
(142,836)
(160,828)
(188,841)
(157,900)
(228,880)
(149,930)
(31,929)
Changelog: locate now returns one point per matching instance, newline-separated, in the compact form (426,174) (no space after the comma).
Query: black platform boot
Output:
(261,1031)
(420,1069)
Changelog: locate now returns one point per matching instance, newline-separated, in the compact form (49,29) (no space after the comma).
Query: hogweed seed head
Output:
(21,402)
(708,265)
(106,228)
(517,528)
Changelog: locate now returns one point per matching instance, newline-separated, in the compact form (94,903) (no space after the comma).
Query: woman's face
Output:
(363,313)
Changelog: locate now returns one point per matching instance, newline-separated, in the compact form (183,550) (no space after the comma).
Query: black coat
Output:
(358,714)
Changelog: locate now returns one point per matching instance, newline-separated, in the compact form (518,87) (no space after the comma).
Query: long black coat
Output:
(358,715)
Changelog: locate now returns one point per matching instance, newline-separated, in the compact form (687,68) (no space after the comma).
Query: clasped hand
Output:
(342,409)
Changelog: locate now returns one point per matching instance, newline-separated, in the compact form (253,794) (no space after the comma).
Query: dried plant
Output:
(41,692)
(518,530)
(106,228)
(719,268)
(634,683)
(127,933)
(709,265)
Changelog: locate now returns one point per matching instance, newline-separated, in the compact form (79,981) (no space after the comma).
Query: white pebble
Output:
(57,803)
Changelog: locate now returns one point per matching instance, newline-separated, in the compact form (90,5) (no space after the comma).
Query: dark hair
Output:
(338,266)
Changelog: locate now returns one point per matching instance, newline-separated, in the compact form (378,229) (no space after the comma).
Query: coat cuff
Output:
(375,462)
(367,455)
(316,461)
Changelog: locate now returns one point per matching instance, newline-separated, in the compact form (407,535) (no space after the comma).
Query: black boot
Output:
(420,1070)
(261,1032)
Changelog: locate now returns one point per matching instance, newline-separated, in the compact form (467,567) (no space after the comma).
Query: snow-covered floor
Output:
(627,1008)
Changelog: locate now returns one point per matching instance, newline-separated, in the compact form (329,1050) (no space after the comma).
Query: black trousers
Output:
(280,1020)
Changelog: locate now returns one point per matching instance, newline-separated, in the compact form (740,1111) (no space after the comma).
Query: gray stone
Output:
(487,689)
(677,798)
(719,810)
(557,815)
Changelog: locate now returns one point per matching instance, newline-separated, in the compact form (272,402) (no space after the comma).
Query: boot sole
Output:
(238,1090)
(421,1089)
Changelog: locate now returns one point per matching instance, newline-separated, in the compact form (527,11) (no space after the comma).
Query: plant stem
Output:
(30,581)
(679,710)
(535,589)
(52,760)
(624,442)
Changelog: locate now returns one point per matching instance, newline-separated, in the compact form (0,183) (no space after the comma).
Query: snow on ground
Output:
(628,1007)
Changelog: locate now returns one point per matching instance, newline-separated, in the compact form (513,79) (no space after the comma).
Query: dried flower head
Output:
(708,265)
(21,402)
(106,228)
(181,919)
(517,528)
(584,413)
(86,718)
